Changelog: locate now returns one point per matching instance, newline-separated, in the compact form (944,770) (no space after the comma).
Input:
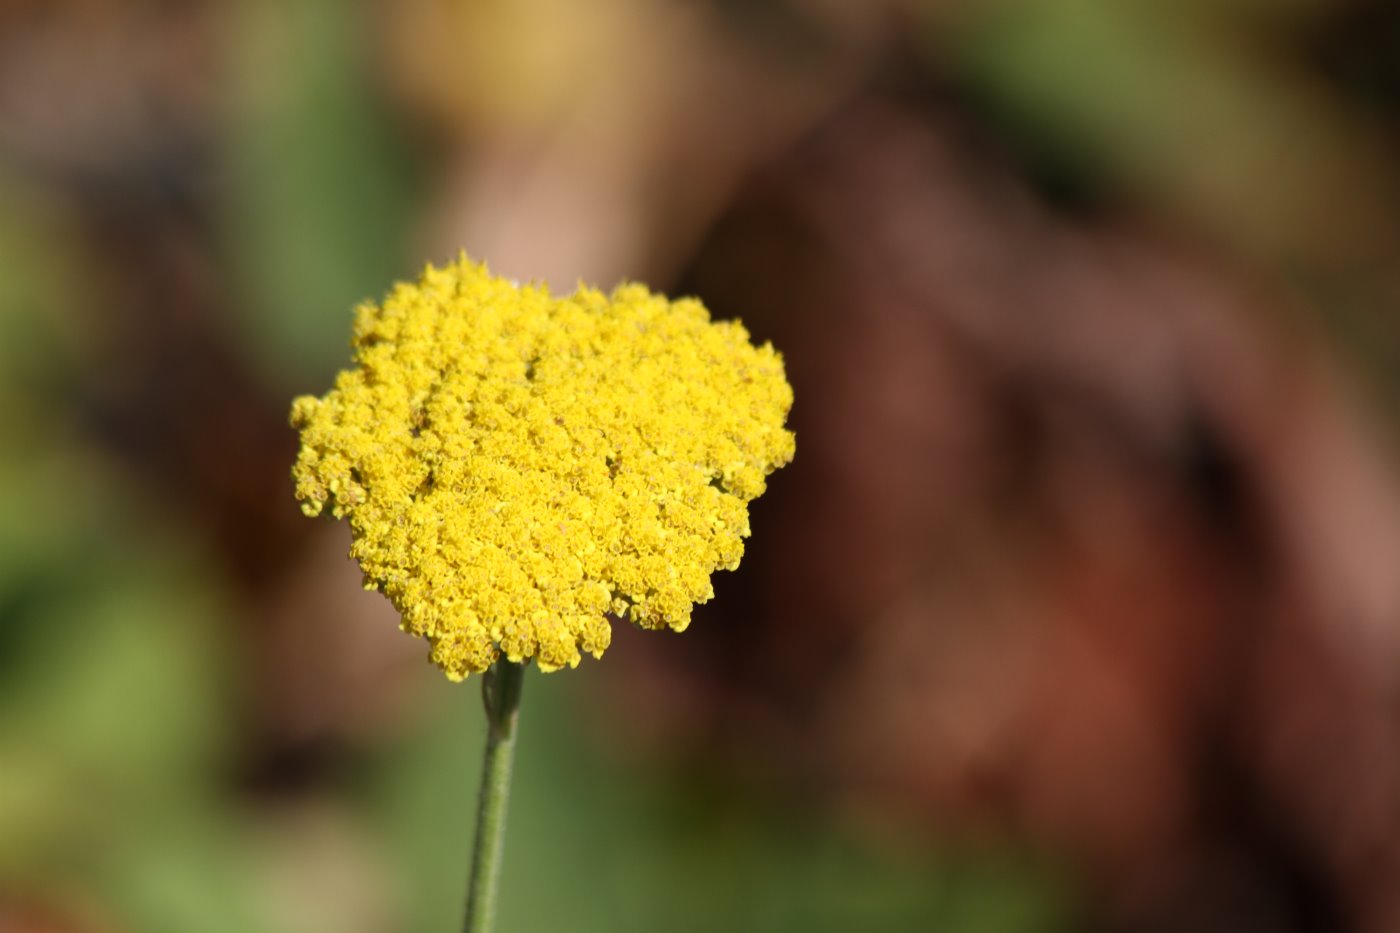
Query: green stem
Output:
(501,690)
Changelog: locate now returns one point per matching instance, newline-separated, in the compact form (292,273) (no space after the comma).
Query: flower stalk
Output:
(500,690)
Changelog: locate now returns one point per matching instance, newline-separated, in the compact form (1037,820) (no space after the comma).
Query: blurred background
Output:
(1079,608)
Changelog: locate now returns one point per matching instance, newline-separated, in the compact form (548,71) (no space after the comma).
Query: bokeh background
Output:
(1079,608)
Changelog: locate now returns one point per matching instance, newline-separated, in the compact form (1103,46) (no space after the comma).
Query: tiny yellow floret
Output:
(515,467)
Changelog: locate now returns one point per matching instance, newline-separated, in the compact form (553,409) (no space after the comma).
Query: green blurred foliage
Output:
(113,701)
(1171,102)
(39,292)
(318,193)
(596,844)
(1217,118)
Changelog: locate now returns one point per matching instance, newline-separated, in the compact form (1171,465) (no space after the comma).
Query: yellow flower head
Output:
(516,466)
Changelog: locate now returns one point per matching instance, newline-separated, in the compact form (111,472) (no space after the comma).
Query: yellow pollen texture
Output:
(515,467)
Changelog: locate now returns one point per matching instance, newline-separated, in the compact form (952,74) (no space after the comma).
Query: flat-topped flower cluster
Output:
(516,466)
